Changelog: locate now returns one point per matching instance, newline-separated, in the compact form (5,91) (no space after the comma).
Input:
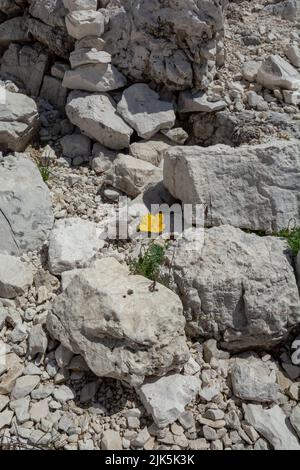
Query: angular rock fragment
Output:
(96,116)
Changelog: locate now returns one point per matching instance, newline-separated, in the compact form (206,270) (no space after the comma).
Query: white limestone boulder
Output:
(121,328)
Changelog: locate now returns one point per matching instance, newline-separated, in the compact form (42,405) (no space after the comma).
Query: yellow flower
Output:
(151,223)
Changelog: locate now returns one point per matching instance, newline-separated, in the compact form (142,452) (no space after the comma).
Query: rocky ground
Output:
(91,355)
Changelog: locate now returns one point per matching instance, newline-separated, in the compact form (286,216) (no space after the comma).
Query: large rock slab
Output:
(239,289)
(176,44)
(253,187)
(19,120)
(103,314)
(15,276)
(143,110)
(95,78)
(73,244)
(273,425)
(26,216)
(275,72)
(166,398)
(96,116)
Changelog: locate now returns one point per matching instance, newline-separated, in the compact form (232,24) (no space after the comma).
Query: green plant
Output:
(293,238)
(149,263)
(45,172)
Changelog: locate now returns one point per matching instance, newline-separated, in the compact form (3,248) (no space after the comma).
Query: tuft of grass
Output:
(45,172)
(293,238)
(149,263)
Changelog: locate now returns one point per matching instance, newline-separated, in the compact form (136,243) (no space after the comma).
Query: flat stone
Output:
(85,56)
(85,23)
(96,116)
(272,424)
(111,440)
(95,78)
(6,418)
(295,419)
(276,72)
(252,380)
(38,341)
(24,386)
(19,120)
(143,110)
(189,103)
(15,276)
(165,398)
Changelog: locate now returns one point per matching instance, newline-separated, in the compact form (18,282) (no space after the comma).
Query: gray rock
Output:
(73,5)
(14,30)
(3,402)
(264,196)
(76,145)
(63,356)
(15,276)
(39,410)
(252,381)
(166,398)
(53,91)
(94,78)
(293,54)
(51,12)
(288,9)
(38,341)
(5,418)
(19,120)
(96,116)
(83,23)
(225,277)
(273,425)
(143,110)
(24,386)
(189,103)
(73,244)
(295,419)
(276,72)
(250,69)
(146,41)
(21,409)
(25,65)
(107,337)
(88,392)
(111,440)
(26,216)
(63,394)
(131,175)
